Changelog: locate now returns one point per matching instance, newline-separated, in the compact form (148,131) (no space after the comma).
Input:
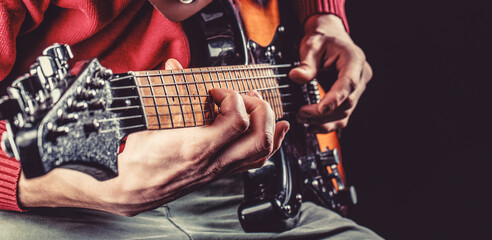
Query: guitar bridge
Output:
(323,182)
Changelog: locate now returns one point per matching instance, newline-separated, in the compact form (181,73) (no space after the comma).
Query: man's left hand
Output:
(326,43)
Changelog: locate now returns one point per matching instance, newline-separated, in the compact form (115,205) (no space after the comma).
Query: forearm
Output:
(59,188)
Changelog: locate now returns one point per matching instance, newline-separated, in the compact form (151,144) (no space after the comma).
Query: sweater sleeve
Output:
(15,16)
(9,176)
(307,8)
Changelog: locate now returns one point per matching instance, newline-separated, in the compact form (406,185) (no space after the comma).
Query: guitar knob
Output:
(329,157)
(347,197)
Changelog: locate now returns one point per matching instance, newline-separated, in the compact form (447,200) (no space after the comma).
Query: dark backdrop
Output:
(416,147)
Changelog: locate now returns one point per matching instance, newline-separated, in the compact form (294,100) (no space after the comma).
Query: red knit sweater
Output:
(123,34)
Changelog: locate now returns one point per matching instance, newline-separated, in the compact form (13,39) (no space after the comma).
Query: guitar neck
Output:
(180,98)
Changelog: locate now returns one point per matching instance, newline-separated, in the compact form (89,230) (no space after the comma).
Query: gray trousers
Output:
(208,213)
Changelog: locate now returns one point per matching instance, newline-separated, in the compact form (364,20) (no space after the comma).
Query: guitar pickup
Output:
(329,157)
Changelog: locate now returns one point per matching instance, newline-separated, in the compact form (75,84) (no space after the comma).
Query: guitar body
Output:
(308,166)
(75,117)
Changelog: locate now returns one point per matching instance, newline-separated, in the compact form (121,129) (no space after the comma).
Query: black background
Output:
(417,146)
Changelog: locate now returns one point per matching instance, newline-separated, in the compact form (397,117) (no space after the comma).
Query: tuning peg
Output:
(55,132)
(74,106)
(64,118)
(85,94)
(97,104)
(91,126)
(106,73)
(95,82)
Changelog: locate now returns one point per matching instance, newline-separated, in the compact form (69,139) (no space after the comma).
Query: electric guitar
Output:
(76,117)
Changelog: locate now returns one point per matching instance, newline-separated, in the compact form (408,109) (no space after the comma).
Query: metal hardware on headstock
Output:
(39,89)
(56,114)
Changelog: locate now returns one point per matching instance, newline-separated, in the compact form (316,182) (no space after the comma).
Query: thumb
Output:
(310,55)
(173,64)
(304,73)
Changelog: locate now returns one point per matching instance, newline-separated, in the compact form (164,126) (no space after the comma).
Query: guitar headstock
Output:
(62,117)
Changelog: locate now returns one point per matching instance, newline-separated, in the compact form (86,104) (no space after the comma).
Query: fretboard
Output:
(180,98)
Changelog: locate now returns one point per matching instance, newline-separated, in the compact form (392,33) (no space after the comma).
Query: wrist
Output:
(327,24)
(56,189)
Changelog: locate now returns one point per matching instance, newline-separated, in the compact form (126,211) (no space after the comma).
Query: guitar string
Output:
(192,71)
(175,125)
(184,95)
(202,70)
(179,124)
(201,95)
(224,80)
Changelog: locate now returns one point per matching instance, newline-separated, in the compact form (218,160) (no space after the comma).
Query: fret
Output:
(248,83)
(179,97)
(275,97)
(271,98)
(155,100)
(232,79)
(224,78)
(233,71)
(263,84)
(256,82)
(167,114)
(189,96)
(199,98)
(214,107)
(209,84)
(218,77)
(173,98)
(171,104)
(167,99)
(211,78)
(160,90)
(268,78)
(242,79)
(236,79)
(228,85)
(184,124)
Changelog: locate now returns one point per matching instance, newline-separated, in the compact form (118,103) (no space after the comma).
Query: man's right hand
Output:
(157,167)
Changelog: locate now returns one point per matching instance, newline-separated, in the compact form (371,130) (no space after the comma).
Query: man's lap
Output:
(205,214)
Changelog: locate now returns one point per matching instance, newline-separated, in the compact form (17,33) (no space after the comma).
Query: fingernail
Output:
(168,66)
(286,129)
(256,94)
